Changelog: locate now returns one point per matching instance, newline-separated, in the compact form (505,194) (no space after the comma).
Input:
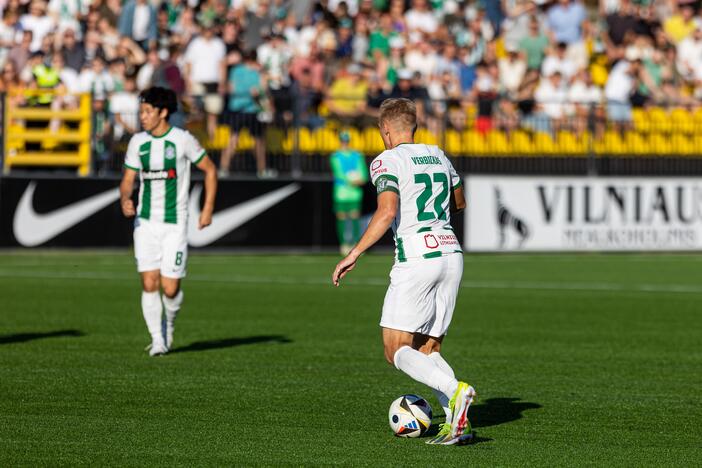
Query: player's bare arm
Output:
(207,166)
(458,200)
(379,224)
(126,187)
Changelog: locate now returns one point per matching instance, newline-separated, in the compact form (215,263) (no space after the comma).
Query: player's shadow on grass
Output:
(231,342)
(491,412)
(496,411)
(22,337)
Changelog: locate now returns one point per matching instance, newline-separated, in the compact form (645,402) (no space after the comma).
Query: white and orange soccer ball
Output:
(410,416)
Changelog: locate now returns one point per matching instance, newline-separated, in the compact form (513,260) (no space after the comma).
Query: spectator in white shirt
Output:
(618,90)
(512,70)
(422,58)
(124,107)
(204,59)
(144,77)
(95,79)
(557,61)
(8,34)
(65,13)
(584,99)
(551,96)
(421,18)
(690,53)
(37,22)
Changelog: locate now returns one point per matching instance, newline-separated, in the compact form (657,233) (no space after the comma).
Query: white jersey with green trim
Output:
(423,177)
(163,164)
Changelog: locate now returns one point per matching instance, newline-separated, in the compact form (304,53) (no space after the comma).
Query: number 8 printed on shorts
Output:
(179,258)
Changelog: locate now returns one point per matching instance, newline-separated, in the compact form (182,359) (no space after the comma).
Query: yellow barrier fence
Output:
(28,146)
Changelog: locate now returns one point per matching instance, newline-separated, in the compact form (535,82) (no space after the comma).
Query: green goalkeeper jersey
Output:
(350,173)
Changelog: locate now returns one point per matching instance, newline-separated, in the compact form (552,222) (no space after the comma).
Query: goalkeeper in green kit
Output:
(350,174)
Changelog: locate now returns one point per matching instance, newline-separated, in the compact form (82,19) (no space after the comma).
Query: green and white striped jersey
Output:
(423,177)
(164,170)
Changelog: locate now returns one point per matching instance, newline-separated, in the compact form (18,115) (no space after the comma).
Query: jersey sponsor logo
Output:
(376,164)
(424,160)
(380,171)
(31,228)
(227,220)
(431,241)
(159,175)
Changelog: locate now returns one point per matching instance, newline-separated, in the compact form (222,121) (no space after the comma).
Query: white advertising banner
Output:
(582,213)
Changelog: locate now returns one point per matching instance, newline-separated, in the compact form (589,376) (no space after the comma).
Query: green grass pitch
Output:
(577,360)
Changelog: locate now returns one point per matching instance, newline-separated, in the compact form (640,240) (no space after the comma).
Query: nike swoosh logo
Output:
(225,221)
(32,228)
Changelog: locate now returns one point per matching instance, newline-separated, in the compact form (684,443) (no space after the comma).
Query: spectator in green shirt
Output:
(350,174)
(379,41)
(534,45)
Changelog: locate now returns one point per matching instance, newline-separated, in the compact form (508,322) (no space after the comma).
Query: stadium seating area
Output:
(549,78)
(654,132)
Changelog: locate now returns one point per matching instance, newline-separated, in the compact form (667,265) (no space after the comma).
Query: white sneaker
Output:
(157,349)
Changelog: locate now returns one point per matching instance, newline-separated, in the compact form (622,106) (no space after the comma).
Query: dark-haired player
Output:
(162,155)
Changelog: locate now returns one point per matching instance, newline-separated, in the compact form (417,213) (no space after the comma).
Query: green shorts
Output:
(346,206)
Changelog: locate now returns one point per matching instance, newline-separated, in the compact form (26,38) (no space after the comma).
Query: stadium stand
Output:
(497,79)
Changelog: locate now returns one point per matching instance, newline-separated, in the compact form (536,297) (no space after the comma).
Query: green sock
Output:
(356,229)
(341,230)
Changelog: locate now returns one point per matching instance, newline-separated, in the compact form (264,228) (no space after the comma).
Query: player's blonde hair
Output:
(401,113)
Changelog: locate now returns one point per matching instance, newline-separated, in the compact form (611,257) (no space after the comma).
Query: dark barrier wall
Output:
(75,212)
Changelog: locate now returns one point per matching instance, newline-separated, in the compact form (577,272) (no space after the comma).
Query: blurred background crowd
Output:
(248,66)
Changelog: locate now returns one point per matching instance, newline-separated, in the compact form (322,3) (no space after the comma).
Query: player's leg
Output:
(172,301)
(399,351)
(431,347)
(173,269)
(226,160)
(355,217)
(152,310)
(341,227)
(445,302)
(408,309)
(147,251)
(257,130)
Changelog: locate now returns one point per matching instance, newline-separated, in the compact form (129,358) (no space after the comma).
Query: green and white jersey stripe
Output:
(423,177)
(164,171)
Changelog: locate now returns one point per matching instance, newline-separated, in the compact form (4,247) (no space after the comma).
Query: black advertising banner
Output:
(72,212)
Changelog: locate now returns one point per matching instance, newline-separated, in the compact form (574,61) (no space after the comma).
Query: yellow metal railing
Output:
(48,145)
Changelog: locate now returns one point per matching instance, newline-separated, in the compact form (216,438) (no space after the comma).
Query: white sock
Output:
(172,306)
(151,307)
(442,397)
(422,369)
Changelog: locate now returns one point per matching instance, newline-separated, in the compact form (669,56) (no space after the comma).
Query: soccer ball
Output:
(410,416)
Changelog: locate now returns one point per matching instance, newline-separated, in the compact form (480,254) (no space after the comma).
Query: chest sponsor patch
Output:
(159,175)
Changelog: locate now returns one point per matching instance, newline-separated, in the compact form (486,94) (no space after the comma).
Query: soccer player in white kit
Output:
(161,155)
(417,189)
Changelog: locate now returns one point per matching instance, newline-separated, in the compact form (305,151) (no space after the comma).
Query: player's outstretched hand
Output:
(128,208)
(343,267)
(205,219)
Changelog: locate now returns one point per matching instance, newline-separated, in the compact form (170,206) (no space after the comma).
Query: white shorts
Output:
(160,246)
(422,295)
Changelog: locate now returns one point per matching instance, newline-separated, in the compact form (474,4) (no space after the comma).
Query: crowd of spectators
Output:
(536,64)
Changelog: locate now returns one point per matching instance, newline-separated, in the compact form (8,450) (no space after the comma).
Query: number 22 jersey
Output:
(424,178)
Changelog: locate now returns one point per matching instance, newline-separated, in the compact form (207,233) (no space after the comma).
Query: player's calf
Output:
(172,307)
